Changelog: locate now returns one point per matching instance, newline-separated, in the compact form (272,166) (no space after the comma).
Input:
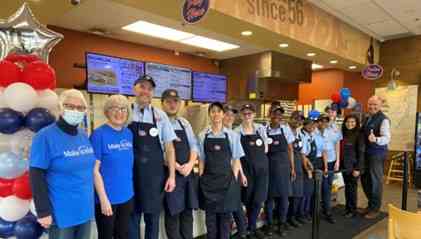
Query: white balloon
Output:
(20,142)
(32,207)
(20,97)
(2,101)
(48,99)
(13,209)
(351,103)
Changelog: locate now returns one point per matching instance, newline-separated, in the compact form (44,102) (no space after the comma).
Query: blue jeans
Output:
(151,225)
(81,231)
(327,189)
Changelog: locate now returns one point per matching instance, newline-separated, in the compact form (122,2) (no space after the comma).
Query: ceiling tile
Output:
(366,13)
(387,28)
(341,4)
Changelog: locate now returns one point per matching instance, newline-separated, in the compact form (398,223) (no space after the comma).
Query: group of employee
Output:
(140,165)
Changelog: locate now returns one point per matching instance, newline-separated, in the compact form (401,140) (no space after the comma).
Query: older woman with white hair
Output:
(112,143)
(61,170)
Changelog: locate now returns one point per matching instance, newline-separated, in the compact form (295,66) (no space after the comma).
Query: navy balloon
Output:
(6,228)
(28,228)
(10,121)
(343,104)
(345,94)
(38,118)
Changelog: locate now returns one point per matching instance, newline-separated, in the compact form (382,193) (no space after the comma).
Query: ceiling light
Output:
(333,61)
(315,66)
(283,45)
(246,33)
(311,54)
(207,43)
(352,67)
(155,30)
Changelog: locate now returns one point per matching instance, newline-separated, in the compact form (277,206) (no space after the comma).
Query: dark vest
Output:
(374,123)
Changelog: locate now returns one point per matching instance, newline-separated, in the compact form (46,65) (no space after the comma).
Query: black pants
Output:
(179,226)
(218,225)
(117,225)
(372,180)
(351,190)
(240,221)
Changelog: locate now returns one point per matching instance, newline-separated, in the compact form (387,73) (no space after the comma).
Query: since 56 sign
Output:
(194,10)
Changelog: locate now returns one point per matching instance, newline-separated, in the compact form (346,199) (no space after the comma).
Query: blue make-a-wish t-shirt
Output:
(69,164)
(114,148)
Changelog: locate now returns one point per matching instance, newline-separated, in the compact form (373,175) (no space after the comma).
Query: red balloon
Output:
(39,75)
(6,186)
(336,97)
(9,73)
(22,187)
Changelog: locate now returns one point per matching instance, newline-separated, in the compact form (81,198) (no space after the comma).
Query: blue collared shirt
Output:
(287,132)
(259,128)
(191,138)
(165,129)
(330,137)
(233,137)
(308,138)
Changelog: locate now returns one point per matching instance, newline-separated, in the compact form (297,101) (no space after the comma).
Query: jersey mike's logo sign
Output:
(372,72)
(286,11)
(194,10)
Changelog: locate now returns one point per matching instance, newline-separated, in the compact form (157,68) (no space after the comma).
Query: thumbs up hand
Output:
(372,138)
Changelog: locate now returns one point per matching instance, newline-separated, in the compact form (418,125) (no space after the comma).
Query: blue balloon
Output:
(6,228)
(38,118)
(343,104)
(10,121)
(11,166)
(28,228)
(345,94)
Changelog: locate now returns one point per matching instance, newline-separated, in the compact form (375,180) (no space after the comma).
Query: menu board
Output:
(170,77)
(209,87)
(112,75)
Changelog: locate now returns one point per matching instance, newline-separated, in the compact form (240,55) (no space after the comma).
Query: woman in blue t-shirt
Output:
(61,171)
(112,143)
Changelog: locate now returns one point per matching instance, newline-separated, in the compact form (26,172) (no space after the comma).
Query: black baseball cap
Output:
(297,115)
(323,117)
(145,78)
(216,104)
(276,108)
(231,108)
(170,94)
(308,121)
(248,107)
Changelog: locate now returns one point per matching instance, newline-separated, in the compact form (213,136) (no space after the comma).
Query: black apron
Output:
(312,156)
(279,167)
(297,184)
(184,195)
(149,169)
(220,190)
(256,168)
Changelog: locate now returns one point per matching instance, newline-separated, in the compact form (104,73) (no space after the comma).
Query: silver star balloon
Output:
(22,34)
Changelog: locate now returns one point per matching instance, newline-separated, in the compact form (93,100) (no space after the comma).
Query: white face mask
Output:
(73,117)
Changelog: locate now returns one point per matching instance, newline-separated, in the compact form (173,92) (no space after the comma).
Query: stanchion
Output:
(318,175)
(405,181)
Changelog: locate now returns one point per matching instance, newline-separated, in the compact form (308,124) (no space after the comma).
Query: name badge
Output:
(251,143)
(276,142)
(153,132)
(300,144)
(259,142)
(217,147)
(270,140)
(141,133)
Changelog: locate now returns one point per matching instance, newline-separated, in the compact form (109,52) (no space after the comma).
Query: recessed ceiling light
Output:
(283,45)
(311,54)
(159,31)
(315,66)
(246,33)
(352,67)
(207,43)
(333,61)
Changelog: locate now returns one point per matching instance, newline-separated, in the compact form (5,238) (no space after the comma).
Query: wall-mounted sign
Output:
(290,11)
(372,72)
(195,10)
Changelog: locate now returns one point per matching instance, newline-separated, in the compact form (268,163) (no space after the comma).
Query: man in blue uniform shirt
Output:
(153,136)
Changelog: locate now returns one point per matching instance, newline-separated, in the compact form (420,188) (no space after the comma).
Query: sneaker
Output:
(302,220)
(281,230)
(257,235)
(294,222)
(268,230)
(349,214)
(372,215)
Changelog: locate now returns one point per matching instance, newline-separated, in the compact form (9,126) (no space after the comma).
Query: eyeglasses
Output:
(80,108)
(119,109)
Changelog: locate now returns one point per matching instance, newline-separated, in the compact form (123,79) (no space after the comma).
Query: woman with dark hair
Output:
(352,161)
